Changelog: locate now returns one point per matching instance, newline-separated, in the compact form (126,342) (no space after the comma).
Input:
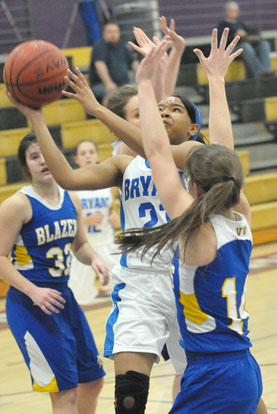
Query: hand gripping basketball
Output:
(34,73)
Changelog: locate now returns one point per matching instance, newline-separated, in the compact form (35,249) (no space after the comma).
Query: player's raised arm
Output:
(155,139)
(165,77)
(143,46)
(174,59)
(215,67)
(103,175)
(129,133)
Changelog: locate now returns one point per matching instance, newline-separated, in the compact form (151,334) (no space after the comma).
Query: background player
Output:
(39,224)
(100,219)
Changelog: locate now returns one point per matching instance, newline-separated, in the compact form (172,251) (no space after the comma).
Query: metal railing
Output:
(15,20)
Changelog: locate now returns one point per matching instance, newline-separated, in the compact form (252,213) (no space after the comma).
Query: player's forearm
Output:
(154,136)
(172,71)
(55,160)
(158,83)
(11,275)
(128,133)
(85,254)
(220,126)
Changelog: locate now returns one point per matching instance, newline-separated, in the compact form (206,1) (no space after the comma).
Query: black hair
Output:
(192,115)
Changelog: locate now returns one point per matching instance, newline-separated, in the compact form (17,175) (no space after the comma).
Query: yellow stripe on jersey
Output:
(192,309)
(21,255)
(51,387)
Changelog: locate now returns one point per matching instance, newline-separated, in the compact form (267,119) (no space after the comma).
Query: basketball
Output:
(34,73)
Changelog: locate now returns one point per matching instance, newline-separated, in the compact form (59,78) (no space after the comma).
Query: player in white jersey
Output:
(100,220)
(211,223)
(133,368)
(39,225)
(124,103)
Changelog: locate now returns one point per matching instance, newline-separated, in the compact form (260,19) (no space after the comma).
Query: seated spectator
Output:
(255,50)
(111,61)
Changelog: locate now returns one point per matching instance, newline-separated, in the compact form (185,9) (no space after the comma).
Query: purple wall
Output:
(197,18)
(50,22)
(50,18)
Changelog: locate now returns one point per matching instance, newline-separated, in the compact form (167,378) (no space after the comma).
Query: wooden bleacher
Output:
(73,132)
(236,71)
(80,56)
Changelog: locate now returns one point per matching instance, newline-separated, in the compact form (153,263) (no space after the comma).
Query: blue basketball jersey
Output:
(211,299)
(41,252)
(141,207)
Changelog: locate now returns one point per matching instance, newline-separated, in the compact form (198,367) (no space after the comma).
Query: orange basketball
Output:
(34,73)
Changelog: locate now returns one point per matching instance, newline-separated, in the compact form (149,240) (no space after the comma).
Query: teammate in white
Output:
(100,220)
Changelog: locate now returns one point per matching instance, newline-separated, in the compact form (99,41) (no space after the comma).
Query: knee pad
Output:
(131,392)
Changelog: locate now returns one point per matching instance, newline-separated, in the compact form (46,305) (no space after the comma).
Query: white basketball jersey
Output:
(97,201)
(141,207)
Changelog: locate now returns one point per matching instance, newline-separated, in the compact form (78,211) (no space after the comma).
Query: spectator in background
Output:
(111,61)
(255,50)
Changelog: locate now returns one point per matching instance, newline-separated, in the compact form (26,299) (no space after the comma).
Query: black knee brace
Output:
(131,392)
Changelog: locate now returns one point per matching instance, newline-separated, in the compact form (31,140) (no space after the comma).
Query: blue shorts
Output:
(58,349)
(219,384)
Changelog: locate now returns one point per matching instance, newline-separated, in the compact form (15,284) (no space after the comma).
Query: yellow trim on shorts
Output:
(51,387)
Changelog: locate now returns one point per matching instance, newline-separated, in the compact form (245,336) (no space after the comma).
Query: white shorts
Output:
(143,317)
(82,277)
(81,282)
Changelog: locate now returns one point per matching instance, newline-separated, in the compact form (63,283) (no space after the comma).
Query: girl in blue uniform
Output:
(211,223)
(39,225)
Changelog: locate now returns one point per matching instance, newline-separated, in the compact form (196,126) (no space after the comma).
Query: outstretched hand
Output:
(83,94)
(178,42)
(144,44)
(220,57)
(151,61)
